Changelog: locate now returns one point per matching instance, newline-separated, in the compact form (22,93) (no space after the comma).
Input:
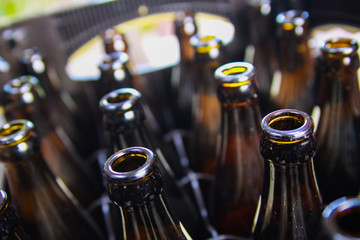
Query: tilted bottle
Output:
(341,219)
(182,75)
(135,184)
(239,171)
(337,161)
(10,226)
(44,205)
(24,98)
(290,206)
(206,115)
(292,84)
(126,126)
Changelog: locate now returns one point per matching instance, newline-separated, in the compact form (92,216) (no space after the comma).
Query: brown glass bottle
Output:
(126,126)
(292,84)
(182,75)
(337,161)
(341,219)
(10,226)
(290,205)
(24,98)
(134,183)
(206,109)
(239,171)
(42,201)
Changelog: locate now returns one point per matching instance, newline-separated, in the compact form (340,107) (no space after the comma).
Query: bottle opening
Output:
(119,98)
(287,122)
(340,43)
(348,222)
(206,38)
(12,129)
(343,46)
(235,70)
(129,162)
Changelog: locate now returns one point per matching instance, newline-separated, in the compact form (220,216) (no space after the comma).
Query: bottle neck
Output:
(152,221)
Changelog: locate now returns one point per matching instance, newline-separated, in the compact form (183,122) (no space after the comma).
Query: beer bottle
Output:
(25,99)
(239,171)
(182,75)
(206,109)
(290,206)
(43,202)
(292,84)
(337,161)
(135,184)
(10,226)
(126,126)
(341,219)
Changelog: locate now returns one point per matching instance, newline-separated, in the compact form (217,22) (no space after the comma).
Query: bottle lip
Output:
(113,61)
(336,208)
(15,131)
(235,74)
(20,85)
(205,43)
(122,99)
(133,175)
(303,130)
(340,46)
(293,17)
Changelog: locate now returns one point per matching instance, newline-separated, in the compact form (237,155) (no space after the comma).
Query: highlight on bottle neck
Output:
(293,20)
(236,82)
(3,201)
(33,60)
(18,140)
(287,136)
(208,44)
(120,100)
(341,218)
(132,176)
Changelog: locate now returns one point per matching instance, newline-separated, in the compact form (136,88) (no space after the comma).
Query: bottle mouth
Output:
(235,74)
(205,44)
(342,217)
(129,165)
(16,131)
(20,85)
(287,126)
(122,99)
(340,46)
(114,61)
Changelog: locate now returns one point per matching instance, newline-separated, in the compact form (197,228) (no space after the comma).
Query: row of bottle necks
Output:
(206,100)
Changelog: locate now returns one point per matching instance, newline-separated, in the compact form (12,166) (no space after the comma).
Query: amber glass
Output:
(291,87)
(182,75)
(337,161)
(10,226)
(135,184)
(114,41)
(239,171)
(341,219)
(260,51)
(290,205)
(24,98)
(44,204)
(126,126)
(206,109)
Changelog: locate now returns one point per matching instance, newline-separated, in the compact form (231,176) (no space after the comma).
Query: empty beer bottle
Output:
(43,203)
(126,126)
(290,205)
(292,84)
(24,98)
(135,184)
(206,109)
(337,161)
(182,75)
(341,219)
(10,226)
(239,171)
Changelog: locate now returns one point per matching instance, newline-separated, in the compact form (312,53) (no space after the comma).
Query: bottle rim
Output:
(293,17)
(303,129)
(21,84)
(235,74)
(122,99)
(113,61)
(340,46)
(334,210)
(133,175)
(15,131)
